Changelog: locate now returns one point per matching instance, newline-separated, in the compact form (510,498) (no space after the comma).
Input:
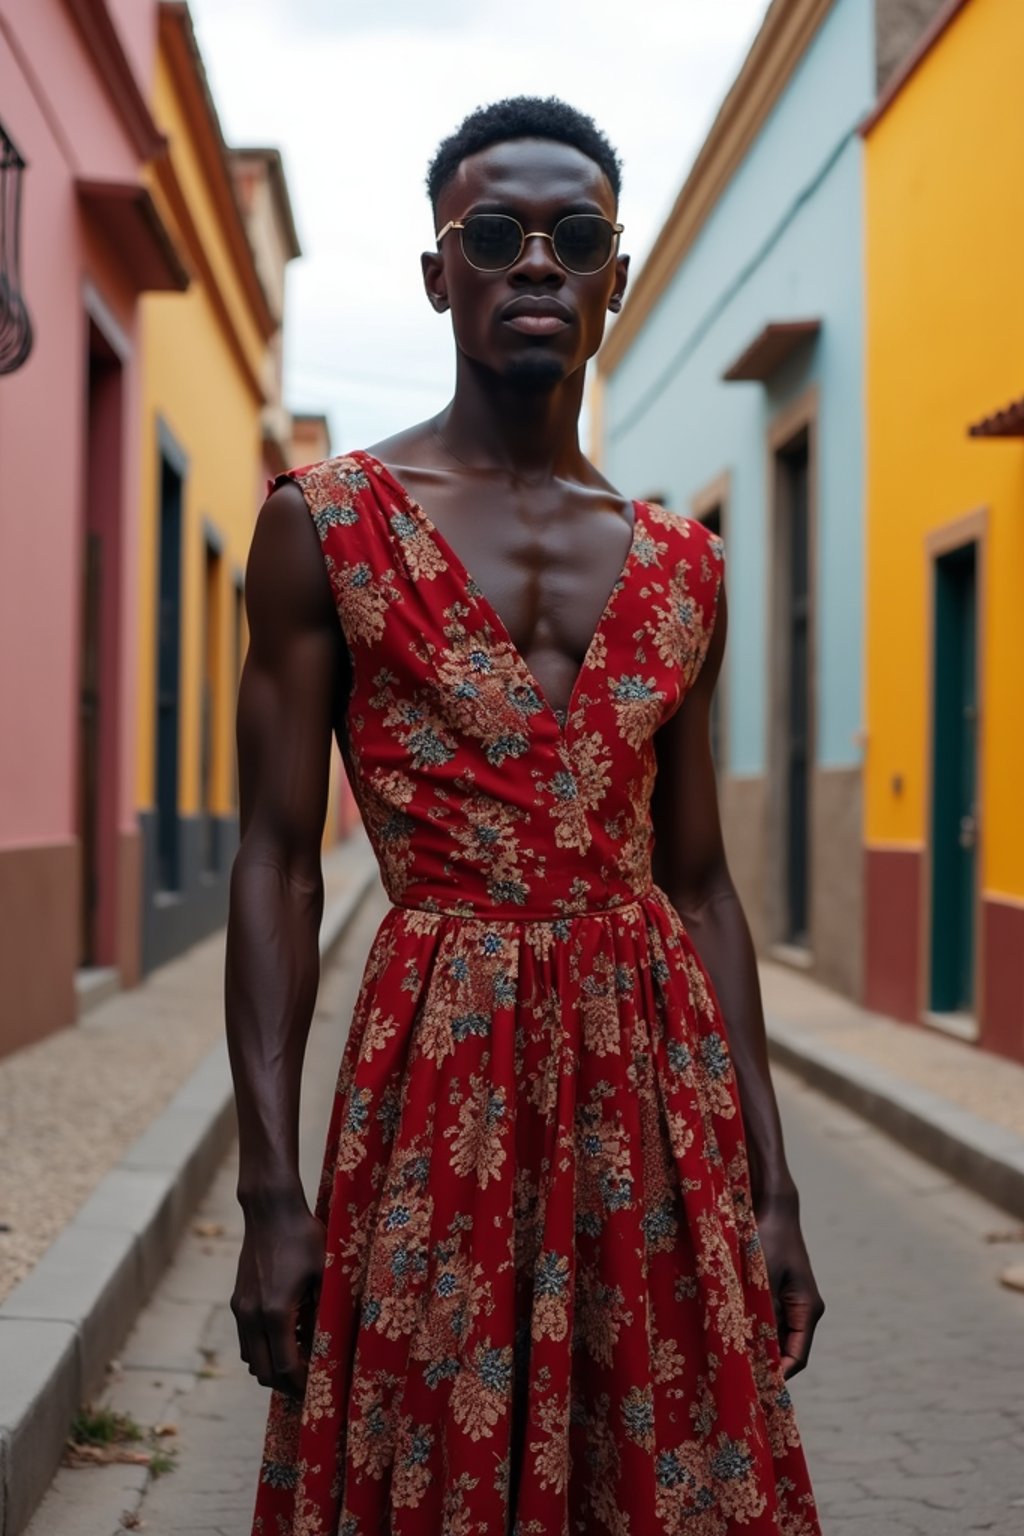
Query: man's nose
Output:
(537,262)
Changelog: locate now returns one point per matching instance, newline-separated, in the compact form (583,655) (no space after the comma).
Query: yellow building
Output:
(211,370)
(944,826)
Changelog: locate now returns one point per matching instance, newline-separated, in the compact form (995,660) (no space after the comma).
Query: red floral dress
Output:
(545,1310)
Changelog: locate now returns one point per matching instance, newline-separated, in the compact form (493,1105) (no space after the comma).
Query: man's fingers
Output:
(799,1316)
(243,1340)
(260,1363)
(283,1345)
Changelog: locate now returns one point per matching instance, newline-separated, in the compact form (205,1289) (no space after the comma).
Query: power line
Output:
(721,304)
(379,380)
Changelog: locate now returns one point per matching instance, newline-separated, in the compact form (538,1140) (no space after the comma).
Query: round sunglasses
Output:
(582,242)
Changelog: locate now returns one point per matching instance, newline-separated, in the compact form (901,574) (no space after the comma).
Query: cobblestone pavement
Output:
(912,1408)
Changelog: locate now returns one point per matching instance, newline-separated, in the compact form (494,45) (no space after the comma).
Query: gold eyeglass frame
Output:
(532,234)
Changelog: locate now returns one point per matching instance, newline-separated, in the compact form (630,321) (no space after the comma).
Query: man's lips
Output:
(541,316)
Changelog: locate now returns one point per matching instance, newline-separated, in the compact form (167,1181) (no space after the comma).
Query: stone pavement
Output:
(911,1409)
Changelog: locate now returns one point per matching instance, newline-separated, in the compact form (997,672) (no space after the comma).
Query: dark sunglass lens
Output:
(491,241)
(583,243)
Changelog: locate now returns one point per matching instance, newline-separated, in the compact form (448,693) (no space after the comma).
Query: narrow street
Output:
(912,1408)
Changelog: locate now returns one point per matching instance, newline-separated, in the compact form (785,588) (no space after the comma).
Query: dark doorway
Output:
(793,463)
(954,782)
(210,722)
(98,654)
(168,675)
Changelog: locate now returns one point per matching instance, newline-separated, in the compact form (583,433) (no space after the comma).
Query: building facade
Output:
(208,391)
(75,78)
(266,207)
(732,387)
(944,831)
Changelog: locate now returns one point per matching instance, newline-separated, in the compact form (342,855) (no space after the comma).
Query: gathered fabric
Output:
(545,1309)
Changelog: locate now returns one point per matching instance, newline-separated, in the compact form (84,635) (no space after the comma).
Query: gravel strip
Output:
(72,1104)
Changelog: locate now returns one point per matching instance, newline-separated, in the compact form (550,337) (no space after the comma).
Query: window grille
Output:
(15,325)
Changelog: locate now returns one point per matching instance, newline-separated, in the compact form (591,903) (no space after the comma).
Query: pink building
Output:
(74,85)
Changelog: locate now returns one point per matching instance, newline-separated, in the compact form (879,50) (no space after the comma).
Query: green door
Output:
(954,782)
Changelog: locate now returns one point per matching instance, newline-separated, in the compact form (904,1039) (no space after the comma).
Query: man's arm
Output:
(690,865)
(287,696)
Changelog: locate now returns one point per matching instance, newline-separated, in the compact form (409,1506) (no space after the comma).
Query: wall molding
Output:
(181,51)
(101,37)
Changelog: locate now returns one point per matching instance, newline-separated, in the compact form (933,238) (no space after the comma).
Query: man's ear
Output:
(619,287)
(432,263)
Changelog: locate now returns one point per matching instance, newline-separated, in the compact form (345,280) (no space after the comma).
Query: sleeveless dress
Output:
(544,1309)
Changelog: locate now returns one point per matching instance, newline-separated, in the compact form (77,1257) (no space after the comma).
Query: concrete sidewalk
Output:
(67,1317)
(960,1108)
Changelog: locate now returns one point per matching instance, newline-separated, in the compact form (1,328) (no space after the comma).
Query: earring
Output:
(440,303)
(615,302)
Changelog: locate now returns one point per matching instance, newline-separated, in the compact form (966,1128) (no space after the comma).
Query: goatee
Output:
(534,370)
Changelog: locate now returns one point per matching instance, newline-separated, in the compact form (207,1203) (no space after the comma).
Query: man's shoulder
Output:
(409,446)
(689,529)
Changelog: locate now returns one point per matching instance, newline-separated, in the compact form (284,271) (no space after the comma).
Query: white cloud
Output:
(358,97)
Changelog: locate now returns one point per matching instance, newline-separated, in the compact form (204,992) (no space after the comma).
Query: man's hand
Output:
(798,1303)
(278,1285)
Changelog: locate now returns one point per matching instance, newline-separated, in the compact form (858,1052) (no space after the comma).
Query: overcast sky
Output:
(357,96)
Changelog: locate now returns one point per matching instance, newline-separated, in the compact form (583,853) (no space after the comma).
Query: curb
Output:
(61,1325)
(989,1159)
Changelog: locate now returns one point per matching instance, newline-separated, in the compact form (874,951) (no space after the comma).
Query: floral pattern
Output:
(545,1309)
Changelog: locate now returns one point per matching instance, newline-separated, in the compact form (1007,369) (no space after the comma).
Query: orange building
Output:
(944,828)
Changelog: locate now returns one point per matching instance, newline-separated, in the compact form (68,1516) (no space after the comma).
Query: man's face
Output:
(534,321)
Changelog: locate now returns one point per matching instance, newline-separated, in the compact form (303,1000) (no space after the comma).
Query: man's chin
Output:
(535,370)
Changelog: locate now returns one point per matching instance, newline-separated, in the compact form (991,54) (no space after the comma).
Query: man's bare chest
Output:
(544,562)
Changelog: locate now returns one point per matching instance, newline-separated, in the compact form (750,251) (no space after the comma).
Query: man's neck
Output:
(504,425)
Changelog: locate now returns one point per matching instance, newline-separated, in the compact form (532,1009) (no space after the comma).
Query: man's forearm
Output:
(271,978)
(721,935)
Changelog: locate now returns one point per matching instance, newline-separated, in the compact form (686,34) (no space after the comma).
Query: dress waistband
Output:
(470,914)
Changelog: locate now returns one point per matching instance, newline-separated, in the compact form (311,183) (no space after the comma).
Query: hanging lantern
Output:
(15,325)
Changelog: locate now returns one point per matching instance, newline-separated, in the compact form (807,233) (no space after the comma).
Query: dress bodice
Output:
(478,798)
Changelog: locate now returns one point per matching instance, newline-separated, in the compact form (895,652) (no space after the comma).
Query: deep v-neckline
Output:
(476,593)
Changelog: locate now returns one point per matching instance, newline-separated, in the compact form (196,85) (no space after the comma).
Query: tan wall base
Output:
(742,802)
(38,941)
(837,886)
(837,897)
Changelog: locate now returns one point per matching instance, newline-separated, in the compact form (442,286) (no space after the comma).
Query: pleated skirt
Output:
(544,1309)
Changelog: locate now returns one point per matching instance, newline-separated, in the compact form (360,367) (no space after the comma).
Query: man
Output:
(533,1296)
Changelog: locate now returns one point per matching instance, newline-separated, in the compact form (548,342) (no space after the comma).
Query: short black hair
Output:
(522,117)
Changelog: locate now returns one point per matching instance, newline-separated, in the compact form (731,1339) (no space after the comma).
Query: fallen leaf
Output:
(77,1455)
(131,1521)
(165,1429)
(208,1228)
